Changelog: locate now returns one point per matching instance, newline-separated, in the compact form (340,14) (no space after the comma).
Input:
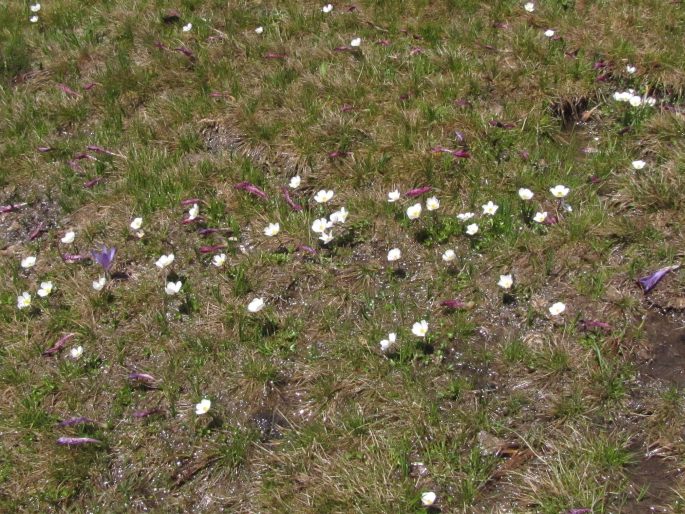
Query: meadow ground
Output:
(124,109)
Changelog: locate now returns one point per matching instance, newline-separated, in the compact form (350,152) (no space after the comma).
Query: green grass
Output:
(308,415)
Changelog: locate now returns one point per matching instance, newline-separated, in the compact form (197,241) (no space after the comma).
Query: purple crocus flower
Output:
(77,441)
(650,281)
(104,257)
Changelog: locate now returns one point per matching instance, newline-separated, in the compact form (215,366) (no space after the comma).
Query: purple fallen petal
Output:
(92,182)
(99,149)
(501,124)
(603,77)
(289,200)
(579,511)
(459,136)
(77,441)
(11,207)
(462,154)
(274,55)
(462,102)
(71,258)
(58,345)
(146,412)
(551,219)
(383,42)
(188,221)
(650,281)
(338,153)
(44,149)
(160,45)
(346,108)
(342,49)
(418,191)
(190,201)
(523,154)
(415,50)
(590,324)
(599,65)
(142,377)
(212,248)
(89,86)
(37,232)
(185,51)
(74,165)
(81,420)
(453,304)
(248,187)
(306,249)
(66,89)
(83,155)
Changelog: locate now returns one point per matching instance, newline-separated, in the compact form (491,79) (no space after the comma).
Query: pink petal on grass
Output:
(188,221)
(650,281)
(418,191)
(338,153)
(212,248)
(501,124)
(66,89)
(383,42)
(58,345)
(89,86)
(99,149)
(37,232)
(190,201)
(306,249)
(92,182)
(81,420)
(77,441)
(11,207)
(248,187)
(71,258)
(342,49)
(453,304)
(274,55)
(147,412)
(289,200)
(590,324)
(44,149)
(185,51)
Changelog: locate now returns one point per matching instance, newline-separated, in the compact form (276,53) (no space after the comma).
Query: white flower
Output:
(449,256)
(259,30)
(35,8)
(505,281)
(393,196)
(172,288)
(420,328)
(68,238)
(256,305)
(540,217)
(549,33)
(490,208)
(623,96)
(340,216)
(559,191)
(24,300)
(193,212)
(428,499)
(164,261)
(76,352)
(326,237)
(394,255)
(188,27)
(414,211)
(557,309)
(139,233)
(99,283)
(529,7)
(45,289)
(136,224)
(630,69)
(356,41)
(650,101)
(33,19)
(387,343)
(295,182)
(327,8)
(272,229)
(525,194)
(635,101)
(432,204)
(323,196)
(219,260)
(203,407)
(472,229)
(28,262)
(465,216)
(638,165)
(321,225)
